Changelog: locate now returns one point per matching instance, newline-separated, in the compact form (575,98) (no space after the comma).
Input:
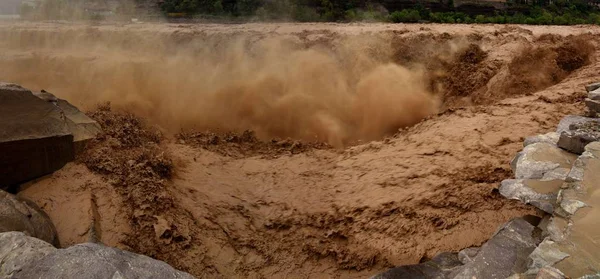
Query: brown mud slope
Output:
(230,203)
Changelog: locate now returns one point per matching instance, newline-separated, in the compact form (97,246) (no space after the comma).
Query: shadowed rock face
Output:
(34,137)
(17,214)
(39,133)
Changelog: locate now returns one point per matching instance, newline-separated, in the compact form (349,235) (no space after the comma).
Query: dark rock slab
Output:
(34,137)
(579,135)
(506,253)
(21,215)
(438,267)
(91,260)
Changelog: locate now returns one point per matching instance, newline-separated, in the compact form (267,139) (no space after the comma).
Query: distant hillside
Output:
(9,7)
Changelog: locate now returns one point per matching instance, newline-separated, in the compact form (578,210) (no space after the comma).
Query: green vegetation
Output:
(560,12)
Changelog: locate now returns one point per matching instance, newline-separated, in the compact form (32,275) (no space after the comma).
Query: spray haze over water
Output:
(337,91)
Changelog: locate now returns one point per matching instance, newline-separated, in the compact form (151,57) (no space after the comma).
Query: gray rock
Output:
(576,172)
(571,206)
(579,135)
(18,250)
(554,227)
(594,95)
(593,105)
(568,120)
(539,159)
(551,138)
(592,86)
(439,267)
(467,255)
(34,137)
(550,273)
(21,215)
(546,254)
(91,260)
(506,253)
(519,189)
(80,125)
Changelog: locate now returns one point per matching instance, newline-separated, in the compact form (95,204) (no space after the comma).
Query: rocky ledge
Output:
(559,173)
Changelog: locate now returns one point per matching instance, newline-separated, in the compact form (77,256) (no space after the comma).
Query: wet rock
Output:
(21,215)
(439,267)
(546,254)
(34,137)
(551,138)
(97,261)
(571,205)
(592,86)
(576,172)
(18,250)
(579,135)
(467,255)
(506,253)
(593,105)
(554,227)
(568,120)
(542,161)
(520,189)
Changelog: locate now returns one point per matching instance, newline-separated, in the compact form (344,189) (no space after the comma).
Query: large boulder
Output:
(90,260)
(21,215)
(35,139)
(18,250)
(22,256)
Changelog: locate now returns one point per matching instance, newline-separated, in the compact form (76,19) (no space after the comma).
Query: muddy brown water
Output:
(345,212)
